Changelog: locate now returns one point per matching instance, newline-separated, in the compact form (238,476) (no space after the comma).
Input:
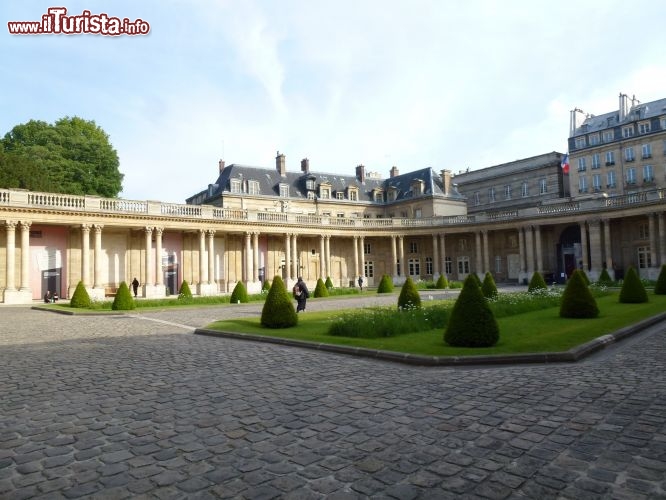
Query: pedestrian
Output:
(135,286)
(301,294)
(360,282)
(47,297)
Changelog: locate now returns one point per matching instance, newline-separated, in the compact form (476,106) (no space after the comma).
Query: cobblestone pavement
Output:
(139,407)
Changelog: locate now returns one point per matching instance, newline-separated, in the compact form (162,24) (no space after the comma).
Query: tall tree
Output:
(74,155)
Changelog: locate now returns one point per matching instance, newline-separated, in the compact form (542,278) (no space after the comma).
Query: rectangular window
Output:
(236,185)
(324,193)
(644,231)
(310,184)
(608,136)
(491,195)
(448,266)
(643,128)
(463,265)
(418,213)
(644,259)
(413,247)
(369,269)
(631,175)
(543,186)
(340,195)
(340,215)
(284,190)
(596,162)
(429,265)
(646,150)
(596,182)
(610,179)
(525,189)
(582,184)
(581,164)
(353,195)
(628,131)
(507,192)
(579,142)
(594,139)
(367,249)
(414,267)
(498,263)
(648,173)
(253,187)
(610,158)
(629,154)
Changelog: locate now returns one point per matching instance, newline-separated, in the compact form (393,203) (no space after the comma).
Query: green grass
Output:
(536,331)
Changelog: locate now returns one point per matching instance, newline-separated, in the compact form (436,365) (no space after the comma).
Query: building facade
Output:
(254,223)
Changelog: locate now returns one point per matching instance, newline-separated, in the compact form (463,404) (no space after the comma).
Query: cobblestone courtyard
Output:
(139,407)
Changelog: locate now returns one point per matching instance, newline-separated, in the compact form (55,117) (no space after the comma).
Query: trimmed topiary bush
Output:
(80,298)
(476,278)
(472,322)
(577,301)
(278,310)
(123,300)
(633,291)
(239,294)
(585,277)
(266,286)
(488,287)
(537,283)
(184,292)
(604,278)
(660,286)
(385,285)
(320,289)
(442,282)
(409,297)
(329,283)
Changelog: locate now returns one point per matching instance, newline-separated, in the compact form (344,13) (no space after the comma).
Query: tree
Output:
(604,278)
(537,283)
(22,173)
(73,155)
(472,322)
(278,310)
(442,282)
(123,300)
(320,289)
(329,283)
(385,284)
(660,286)
(80,297)
(409,297)
(488,287)
(633,291)
(577,301)
(185,293)
(239,294)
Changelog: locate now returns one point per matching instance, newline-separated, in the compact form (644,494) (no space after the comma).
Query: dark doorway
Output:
(51,281)
(171,279)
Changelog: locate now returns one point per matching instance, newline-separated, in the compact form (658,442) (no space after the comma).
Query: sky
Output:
(444,84)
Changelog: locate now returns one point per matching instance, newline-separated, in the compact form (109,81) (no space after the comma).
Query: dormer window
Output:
(284,190)
(236,185)
(253,187)
(340,195)
(377,195)
(325,191)
(352,193)
(417,187)
(310,184)
(392,194)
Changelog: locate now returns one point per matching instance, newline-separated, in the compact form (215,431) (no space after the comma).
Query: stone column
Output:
(442,253)
(539,252)
(247,275)
(355,249)
(521,251)
(486,251)
(159,272)
(401,253)
(595,249)
(361,256)
(85,255)
(211,257)
(478,253)
(149,280)
(607,249)
(295,271)
(287,260)
(10,226)
(394,256)
(435,256)
(662,239)
(653,241)
(25,257)
(583,245)
(529,247)
(97,278)
(322,257)
(328,255)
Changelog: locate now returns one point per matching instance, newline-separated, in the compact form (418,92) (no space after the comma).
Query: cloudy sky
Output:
(418,83)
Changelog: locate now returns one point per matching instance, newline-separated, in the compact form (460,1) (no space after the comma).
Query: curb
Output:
(571,356)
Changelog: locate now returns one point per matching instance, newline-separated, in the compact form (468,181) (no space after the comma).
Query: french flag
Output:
(565,163)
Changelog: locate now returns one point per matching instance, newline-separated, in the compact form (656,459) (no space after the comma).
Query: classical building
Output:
(254,223)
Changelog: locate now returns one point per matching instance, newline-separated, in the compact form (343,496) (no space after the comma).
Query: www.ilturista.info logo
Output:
(57,22)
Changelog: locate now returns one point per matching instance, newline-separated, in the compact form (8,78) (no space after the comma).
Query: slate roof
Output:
(270,180)
(643,111)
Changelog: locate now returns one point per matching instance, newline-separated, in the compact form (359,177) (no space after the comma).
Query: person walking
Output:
(301,294)
(135,286)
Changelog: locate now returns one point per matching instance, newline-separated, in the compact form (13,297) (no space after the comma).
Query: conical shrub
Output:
(577,301)
(278,310)
(476,278)
(604,278)
(488,287)
(80,297)
(442,282)
(239,294)
(123,300)
(266,286)
(385,284)
(633,291)
(185,292)
(409,297)
(537,283)
(472,322)
(320,289)
(329,283)
(660,286)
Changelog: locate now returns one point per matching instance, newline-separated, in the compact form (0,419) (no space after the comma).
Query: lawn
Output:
(530,332)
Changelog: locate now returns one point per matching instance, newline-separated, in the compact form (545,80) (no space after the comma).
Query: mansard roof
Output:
(642,111)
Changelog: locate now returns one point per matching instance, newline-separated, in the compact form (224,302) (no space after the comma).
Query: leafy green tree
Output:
(488,287)
(577,301)
(185,292)
(80,298)
(73,155)
(22,173)
(385,284)
(123,300)
(239,294)
(472,322)
(633,291)
(537,283)
(442,282)
(278,310)
(409,297)
(320,289)
(660,286)
(329,283)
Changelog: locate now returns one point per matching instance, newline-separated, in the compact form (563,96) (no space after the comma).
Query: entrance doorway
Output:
(171,279)
(463,267)
(51,281)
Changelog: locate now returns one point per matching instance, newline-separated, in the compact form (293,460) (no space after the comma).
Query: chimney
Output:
(624,106)
(280,164)
(305,166)
(394,171)
(360,173)
(575,120)
(446,181)
(221,164)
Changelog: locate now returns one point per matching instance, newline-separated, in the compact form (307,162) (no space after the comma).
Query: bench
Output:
(110,291)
